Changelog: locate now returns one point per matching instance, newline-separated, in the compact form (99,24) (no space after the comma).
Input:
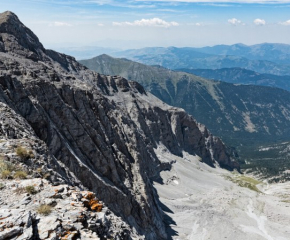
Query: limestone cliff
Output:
(98,132)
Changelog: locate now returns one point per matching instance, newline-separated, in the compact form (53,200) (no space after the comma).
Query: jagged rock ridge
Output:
(102,130)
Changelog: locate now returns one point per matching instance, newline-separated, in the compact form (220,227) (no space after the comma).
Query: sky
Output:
(139,23)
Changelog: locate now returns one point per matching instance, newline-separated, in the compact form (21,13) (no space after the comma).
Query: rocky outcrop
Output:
(99,131)
(18,39)
(55,212)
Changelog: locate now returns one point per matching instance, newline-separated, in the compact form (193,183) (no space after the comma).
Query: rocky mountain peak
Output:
(8,16)
(16,38)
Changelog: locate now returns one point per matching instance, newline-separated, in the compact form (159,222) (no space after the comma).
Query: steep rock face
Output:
(239,114)
(16,132)
(103,129)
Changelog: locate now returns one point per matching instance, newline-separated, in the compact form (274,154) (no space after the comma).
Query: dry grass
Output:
(30,189)
(20,175)
(44,209)
(244,181)
(4,165)
(23,153)
(7,169)
(5,174)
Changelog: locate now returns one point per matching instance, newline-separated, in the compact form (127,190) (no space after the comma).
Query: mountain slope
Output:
(191,58)
(101,131)
(274,52)
(242,76)
(239,114)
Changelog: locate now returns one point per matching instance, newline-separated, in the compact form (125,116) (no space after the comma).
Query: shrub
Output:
(4,165)
(30,189)
(44,209)
(5,174)
(23,153)
(6,168)
(20,174)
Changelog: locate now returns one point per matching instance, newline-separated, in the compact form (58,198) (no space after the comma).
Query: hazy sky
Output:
(138,23)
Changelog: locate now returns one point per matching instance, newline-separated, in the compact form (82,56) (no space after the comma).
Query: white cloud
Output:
(60,24)
(234,21)
(153,22)
(198,24)
(100,24)
(286,23)
(259,22)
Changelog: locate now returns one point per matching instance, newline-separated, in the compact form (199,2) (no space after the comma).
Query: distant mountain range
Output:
(274,52)
(86,51)
(242,76)
(240,114)
(212,58)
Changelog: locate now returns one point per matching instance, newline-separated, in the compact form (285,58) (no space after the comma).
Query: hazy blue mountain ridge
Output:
(193,58)
(274,52)
(242,76)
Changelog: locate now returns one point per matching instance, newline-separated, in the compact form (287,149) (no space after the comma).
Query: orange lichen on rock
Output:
(69,235)
(96,206)
(66,236)
(93,202)
(89,195)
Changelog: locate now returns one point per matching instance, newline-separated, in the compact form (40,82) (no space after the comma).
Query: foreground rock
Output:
(92,131)
(56,212)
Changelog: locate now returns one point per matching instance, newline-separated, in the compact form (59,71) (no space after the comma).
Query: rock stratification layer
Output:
(99,131)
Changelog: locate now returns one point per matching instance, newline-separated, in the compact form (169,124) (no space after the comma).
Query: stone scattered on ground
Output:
(69,213)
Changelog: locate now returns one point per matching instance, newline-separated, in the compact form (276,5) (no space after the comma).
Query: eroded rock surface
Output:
(70,216)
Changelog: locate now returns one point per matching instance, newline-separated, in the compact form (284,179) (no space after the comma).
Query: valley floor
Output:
(203,203)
